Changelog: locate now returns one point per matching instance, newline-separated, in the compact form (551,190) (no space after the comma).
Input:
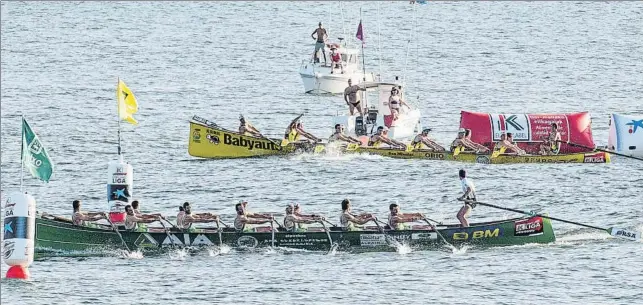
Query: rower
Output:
(551,144)
(458,140)
(299,214)
(244,218)
(512,144)
(397,220)
(295,130)
(247,129)
(339,135)
(185,219)
(292,221)
(135,205)
(348,221)
(469,198)
(424,139)
(479,148)
(132,221)
(79,218)
(381,136)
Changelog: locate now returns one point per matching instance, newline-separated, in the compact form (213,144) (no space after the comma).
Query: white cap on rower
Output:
(461,130)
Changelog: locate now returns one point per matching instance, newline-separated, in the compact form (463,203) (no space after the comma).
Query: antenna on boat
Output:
(118,81)
(361,32)
(379,41)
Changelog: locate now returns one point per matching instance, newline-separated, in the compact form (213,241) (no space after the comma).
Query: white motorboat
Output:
(378,114)
(626,134)
(317,76)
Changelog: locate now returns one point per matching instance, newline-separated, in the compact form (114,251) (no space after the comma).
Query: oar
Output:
(319,148)
(219,231)
(173,226)
(436,231)
(330,223)
(272,226)
(223,223)
(603,150)
(616,232)
(387,237)
(119,233)
(167,233)
(330,239)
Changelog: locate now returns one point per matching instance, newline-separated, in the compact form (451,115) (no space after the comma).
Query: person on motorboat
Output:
(551,144)
(381,136)
(246,129)
(339,135)
(292,222)
(350,96)
(468,196)
(295,130)
(186,218)
(398,221)
(137,213)
(335,60)
(479,148)
(245,218)
(424,139)
(80,218)
(132,221)
(351,222)
(322,36)
(395,102)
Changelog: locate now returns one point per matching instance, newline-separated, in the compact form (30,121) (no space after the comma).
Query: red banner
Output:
(529,130)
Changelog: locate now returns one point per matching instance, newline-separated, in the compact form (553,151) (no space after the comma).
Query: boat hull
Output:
(58,237)
(321,83)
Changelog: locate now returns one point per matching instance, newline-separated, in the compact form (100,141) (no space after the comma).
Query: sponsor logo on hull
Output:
(529,227)
(478,234)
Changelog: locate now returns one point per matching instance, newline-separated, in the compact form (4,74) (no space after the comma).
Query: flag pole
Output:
(118,107)
(22,153)
(362,27)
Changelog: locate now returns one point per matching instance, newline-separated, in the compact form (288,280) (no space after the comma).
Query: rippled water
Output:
(60,63)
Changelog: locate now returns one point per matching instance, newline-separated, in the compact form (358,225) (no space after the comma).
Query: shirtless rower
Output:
(245,218)
(186,218)
(348,220)
(295,130)
(137,213)
(381,136)
(339,135)
(551,144)
(479,148)
(292,221)
(132,221)
(350,97)
(79,218)
(515,148)
(397,220)
(458,140)
(469,198)
(508,146)
(424,139)
(247,129)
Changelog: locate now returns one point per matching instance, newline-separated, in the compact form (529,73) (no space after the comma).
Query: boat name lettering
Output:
(529,227)
(434,156)
(594,159)
(626,234)
(250,144)
(373,240)
(477,234)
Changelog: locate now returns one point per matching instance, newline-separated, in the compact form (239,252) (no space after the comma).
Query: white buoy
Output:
(120,180)
(19,232)
(626,134)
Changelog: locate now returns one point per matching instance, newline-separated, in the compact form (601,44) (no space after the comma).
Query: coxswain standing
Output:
(349,221)
(424,139)
(339,135)
(398,221)
(320,43)
(468,196)
(381,136)
(247,129)
(551,144)
(245,218)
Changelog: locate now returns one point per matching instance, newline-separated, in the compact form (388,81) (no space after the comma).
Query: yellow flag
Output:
(127,104)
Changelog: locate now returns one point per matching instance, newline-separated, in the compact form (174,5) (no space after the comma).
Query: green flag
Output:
(34,155)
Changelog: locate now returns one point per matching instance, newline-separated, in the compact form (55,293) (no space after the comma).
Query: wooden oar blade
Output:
(626,234)
(319,148)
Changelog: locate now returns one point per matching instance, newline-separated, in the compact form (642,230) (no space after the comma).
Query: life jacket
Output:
(293,135)
(417,144)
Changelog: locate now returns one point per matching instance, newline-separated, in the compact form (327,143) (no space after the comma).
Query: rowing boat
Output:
(593,157)
(208,140)
(55,236)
